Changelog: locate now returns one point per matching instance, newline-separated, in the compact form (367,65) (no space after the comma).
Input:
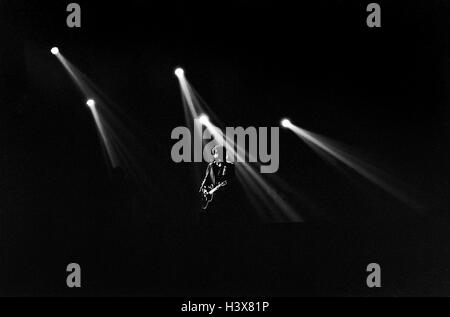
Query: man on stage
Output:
(218,178)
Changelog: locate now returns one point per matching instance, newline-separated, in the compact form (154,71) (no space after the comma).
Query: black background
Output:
(382,91)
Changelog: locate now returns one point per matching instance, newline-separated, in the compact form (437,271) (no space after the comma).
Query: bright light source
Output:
(54,50)
(90,103)
(179,72)
(203,119)
(286,123)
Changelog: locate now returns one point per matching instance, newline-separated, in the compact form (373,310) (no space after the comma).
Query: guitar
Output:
(208,194)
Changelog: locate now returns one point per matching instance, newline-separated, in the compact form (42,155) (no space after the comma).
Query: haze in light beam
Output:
(370,173)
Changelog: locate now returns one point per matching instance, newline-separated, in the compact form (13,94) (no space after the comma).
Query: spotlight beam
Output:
(358,166)
(187,95)
(102,132)
(77,77)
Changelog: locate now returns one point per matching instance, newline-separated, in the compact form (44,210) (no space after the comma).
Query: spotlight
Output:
(179,72)
(203,119)
(286,123)
(90,103)
(54,50)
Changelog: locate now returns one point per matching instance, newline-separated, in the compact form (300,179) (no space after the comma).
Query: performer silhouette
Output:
(218,176)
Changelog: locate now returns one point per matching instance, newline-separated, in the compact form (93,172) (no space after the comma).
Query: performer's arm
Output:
(205,178)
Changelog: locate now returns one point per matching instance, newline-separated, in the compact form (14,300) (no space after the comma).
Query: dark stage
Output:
(369,184)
